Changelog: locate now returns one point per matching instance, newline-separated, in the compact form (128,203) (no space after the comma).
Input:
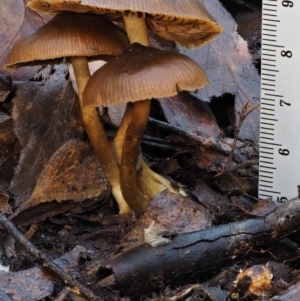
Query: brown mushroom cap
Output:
(68,34)
(142,73)
(184,21)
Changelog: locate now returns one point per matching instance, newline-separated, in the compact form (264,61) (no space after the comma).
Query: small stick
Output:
(245,112)
(46,262)
(212,143)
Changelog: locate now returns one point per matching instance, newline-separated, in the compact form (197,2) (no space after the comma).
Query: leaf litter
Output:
(229,70)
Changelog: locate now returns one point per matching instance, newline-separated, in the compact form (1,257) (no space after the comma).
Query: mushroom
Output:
(137,75)
(184,21)
(75,37)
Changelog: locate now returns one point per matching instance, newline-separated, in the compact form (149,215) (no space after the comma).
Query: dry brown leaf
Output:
(45,117)
(4,205)
(72,173)
(7,136)
(229,67)
(7,148)
(16,21)
(190,114)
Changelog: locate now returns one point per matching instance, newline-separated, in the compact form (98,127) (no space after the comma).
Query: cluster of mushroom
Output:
(137,73)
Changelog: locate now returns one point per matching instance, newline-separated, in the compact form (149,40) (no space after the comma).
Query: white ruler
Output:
(279,163)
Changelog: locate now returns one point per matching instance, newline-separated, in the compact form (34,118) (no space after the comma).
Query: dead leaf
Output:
(8,148)
(5,86)
(229,67)
(72,173)
(190,114)
(7,135)
(45,117)
(16,21)
(35,284)
(4,206)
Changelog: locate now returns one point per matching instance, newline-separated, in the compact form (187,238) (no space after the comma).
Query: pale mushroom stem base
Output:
(96,133)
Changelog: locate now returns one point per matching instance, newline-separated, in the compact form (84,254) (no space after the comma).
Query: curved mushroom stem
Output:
(136,200)
(97,135)
(148,181)
(127,145)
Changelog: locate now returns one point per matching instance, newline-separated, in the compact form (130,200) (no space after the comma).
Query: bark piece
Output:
(188,256)
(229,67)
(44,118)
(194,255)
(72,173)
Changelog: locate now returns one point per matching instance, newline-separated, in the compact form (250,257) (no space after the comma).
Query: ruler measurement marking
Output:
(268,114)
(268,89)
(280,96)
(268,109)
(273,70)
(267,104)
(264,128)
(272,50)
(273,45)
(268,84)
(267,176)
(269,191)
(276,144)
(271,119)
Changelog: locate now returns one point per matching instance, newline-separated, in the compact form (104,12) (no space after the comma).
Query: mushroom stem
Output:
(149,183)
(129,135)
(136,200)
(97,135)
(133,126)
(136,28)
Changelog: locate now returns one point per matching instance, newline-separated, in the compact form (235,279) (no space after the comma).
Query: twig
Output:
(212,143)
(62,295)
(245,112)
(47,262)
(243,165)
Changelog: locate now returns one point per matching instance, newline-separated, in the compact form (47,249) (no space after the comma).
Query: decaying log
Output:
(190,257)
